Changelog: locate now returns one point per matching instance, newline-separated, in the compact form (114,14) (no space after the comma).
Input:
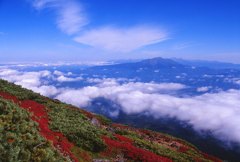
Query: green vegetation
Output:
(75,126)
(20,139)
(104,120)
(18,91)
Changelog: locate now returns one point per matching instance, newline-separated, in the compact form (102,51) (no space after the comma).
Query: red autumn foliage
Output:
(87,114)
(123,138)
(41,117)
(144,131)
(125,145)
(183,143)
(183,149)
(119,126)
(9,97)
(82,154)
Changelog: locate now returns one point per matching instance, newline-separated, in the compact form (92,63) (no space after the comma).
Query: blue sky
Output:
(80,30)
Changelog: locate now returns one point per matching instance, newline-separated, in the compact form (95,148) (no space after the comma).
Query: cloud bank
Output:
(220,111)
(30,80)
(111,89)
(215,112)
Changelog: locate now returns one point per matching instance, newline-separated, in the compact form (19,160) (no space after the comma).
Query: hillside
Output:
(37,128)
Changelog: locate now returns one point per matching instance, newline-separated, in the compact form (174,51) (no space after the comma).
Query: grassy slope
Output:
(20,139)
(102,140)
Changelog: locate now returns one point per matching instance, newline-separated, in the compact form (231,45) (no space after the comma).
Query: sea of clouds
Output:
(218,112)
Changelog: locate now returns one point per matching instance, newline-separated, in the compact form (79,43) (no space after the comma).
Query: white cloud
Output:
(220,111)
(59,73)
(237,82)
(40,4)
(31,80)
(108,81)
(71,18)
(232,80)
(85,95)
(120,39)
(37,81)
(46,90)
(203,89)
(108,88)
(62,78)
(25,79)
(70,15)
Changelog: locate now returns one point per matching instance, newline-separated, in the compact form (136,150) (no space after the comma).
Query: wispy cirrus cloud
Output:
(70,14)
(71,19)
(122,39)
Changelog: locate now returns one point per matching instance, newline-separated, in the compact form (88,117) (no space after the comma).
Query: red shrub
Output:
(183,149)
(144,131)
(9,97)
(119,126)
(87,114)
(40,116)
(130,151)
(123,138)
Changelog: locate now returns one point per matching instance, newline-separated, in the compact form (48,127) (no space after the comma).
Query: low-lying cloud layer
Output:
(218,113)
(111,89)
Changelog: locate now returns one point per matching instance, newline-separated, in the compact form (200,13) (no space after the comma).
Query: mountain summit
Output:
(160,62)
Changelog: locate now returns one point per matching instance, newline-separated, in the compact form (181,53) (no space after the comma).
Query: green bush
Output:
(75,126)
(20,139)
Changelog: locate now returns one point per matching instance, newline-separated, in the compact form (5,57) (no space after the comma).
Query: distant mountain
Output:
(36,128)
(160,62)
(167,70)
(209,64)
(151,63)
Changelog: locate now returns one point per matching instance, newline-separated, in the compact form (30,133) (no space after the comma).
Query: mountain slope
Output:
(209,64)
(36,128)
